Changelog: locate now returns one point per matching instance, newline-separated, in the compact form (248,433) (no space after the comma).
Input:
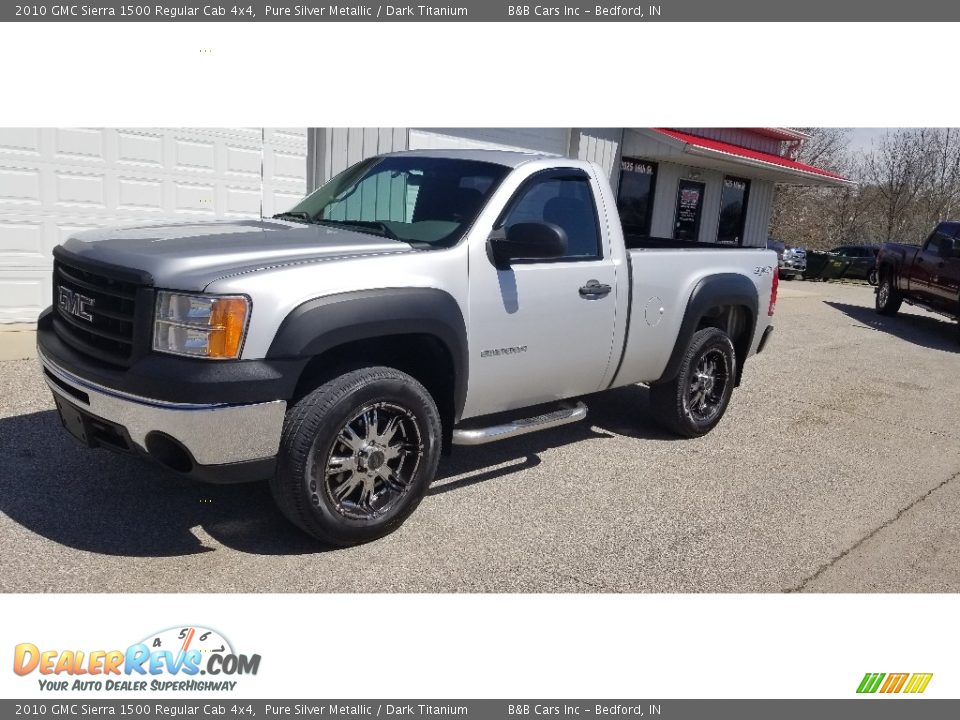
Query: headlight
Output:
(210,326)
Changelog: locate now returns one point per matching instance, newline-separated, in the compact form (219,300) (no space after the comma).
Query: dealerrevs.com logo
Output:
(172,659)
(893,683)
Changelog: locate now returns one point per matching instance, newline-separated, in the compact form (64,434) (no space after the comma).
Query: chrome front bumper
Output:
(214,434)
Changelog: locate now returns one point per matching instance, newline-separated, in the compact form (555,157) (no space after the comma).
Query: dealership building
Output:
(706,184)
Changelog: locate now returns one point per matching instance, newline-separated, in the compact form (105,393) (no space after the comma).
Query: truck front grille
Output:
(97,311)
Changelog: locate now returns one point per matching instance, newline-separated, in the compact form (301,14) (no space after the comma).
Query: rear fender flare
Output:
(723,289)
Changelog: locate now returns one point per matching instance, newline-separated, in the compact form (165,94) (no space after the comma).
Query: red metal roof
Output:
(779,133)
(715,146)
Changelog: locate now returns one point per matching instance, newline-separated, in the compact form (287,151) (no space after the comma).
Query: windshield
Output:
(419,200)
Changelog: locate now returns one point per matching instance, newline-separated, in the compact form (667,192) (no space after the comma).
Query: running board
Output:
(928,308)
(481,436)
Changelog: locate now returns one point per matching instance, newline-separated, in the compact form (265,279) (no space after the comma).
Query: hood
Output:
(189,256)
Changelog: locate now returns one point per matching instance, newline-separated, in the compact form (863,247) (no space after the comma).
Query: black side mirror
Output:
(528,241)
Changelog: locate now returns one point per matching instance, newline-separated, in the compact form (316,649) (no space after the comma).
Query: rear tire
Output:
(693,402)
(357,455)
(873,276)
(888,299)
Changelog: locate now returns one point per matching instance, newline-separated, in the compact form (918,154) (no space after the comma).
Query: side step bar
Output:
(928,308)
(481,436)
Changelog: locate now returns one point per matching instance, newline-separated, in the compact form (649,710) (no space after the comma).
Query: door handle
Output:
(594,290)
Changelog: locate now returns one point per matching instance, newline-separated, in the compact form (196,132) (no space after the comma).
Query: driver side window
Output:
(566,202)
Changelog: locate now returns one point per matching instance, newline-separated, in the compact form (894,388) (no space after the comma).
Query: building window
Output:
(733,210)
(686,221)
(638,179)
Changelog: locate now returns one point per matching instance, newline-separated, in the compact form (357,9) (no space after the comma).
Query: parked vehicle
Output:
(338,347)
(927,275)
(791,261)
(824,265)
(863,261)
(796,260)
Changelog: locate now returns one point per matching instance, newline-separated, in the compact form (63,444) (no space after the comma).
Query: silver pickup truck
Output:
(339,348)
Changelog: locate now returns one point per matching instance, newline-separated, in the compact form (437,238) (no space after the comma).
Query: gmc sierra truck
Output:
(927,276)
(338,348)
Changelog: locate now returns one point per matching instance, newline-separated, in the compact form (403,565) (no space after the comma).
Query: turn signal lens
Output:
(229,319)
(206,326)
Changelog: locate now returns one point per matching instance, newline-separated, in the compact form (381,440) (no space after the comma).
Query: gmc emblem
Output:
(75,303)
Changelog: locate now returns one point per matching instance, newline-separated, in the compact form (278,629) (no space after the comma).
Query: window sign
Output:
(642,167)
(689,207)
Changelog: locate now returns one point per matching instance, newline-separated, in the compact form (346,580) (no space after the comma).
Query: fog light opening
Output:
(169,452)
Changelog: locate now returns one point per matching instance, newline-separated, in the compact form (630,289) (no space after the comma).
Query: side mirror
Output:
(528,241)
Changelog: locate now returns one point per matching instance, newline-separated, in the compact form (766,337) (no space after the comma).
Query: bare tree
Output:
(942,196)
(812,216)
(898,169)
(915,176)
(906,183)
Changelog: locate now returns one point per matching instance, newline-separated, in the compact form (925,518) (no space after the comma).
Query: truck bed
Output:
(661,279)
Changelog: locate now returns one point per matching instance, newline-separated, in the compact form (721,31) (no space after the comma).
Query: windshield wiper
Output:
(305,217)
(371,226)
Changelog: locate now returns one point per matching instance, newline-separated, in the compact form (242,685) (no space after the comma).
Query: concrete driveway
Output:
(835,469)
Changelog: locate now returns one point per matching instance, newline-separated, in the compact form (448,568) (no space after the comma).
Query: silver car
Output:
(791,261)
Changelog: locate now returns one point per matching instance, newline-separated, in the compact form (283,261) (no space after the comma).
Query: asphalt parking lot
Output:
(837,468)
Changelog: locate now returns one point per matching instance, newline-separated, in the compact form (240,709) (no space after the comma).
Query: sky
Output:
(861,139)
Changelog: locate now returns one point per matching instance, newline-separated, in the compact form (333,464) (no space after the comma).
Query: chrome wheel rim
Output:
(371,464)
(708,385)
(883,294)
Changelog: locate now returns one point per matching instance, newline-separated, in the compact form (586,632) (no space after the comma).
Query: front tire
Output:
(888,299)
(693,402)
(357,455)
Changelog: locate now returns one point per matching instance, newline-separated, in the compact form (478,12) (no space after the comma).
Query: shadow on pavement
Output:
(924,330)
(102,502)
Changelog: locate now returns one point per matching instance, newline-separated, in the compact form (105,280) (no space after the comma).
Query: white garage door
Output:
(547,140)
(54,182)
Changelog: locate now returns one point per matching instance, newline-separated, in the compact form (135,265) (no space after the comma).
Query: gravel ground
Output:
(835,469)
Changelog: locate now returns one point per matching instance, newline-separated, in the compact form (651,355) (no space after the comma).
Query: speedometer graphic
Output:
(186,638)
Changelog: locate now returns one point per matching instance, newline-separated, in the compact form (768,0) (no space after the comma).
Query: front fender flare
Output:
(324,323)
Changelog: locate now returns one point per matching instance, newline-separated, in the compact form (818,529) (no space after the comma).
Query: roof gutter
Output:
(688,148)
(696,150)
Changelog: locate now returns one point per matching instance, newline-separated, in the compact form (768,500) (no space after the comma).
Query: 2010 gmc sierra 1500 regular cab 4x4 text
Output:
(927,276)
(337,348)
